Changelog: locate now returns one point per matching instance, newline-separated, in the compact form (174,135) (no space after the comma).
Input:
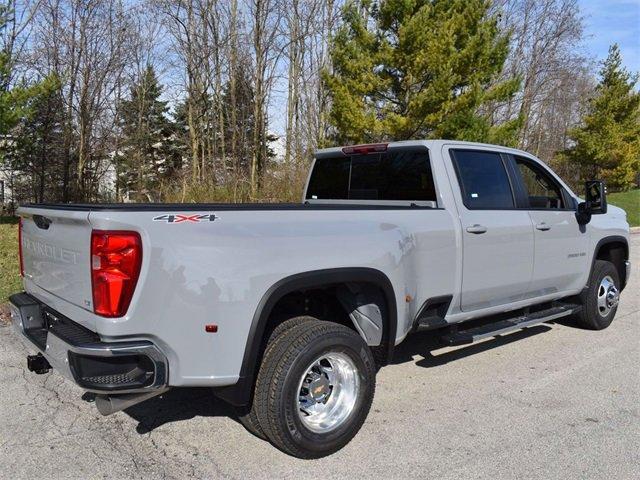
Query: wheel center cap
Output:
(319,389)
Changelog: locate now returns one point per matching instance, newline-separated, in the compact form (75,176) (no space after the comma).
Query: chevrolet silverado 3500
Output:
(286,311)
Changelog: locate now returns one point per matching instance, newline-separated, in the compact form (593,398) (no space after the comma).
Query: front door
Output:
(497,237)
(560,244)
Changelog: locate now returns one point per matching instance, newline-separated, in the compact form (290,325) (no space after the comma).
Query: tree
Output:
(146,154)
(36,148)
(307,25)
(240,126)
(607,145)
(420,68)
(265,19)
(11,99)
(87,45)
(547,55)
(26,120)
(5,99)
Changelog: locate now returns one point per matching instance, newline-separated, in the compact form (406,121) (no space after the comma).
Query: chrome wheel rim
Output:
(327,392)
(608,296)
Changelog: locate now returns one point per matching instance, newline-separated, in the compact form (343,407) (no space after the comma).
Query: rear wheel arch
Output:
(240,393)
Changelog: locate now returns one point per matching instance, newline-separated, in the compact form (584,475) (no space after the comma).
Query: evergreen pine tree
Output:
(418,68)
(145,155)
(14,99)
(607,145)
(37,150)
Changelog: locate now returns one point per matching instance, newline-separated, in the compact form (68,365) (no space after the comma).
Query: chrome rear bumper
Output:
(79,354)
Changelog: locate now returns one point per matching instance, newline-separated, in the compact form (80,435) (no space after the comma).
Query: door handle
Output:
(477,229)
(543,226)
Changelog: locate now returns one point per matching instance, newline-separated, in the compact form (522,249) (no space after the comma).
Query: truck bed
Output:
(138,207)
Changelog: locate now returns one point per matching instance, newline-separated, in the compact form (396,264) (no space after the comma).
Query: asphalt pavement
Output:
(552,401)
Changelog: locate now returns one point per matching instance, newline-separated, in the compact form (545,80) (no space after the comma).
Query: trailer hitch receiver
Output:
(38,364)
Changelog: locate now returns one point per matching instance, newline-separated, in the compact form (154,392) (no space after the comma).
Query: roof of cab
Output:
(430,144)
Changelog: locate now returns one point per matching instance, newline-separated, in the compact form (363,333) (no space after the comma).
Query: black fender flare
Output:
(239,394)
(605,241)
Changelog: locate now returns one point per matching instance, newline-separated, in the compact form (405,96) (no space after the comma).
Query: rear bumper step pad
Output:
(80,355)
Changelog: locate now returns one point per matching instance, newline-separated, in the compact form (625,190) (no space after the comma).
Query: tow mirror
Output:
(595,204)
(596,197)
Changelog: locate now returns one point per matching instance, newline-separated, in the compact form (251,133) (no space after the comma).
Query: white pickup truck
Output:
(287,311)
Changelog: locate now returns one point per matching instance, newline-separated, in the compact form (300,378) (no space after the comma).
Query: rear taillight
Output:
(20,247)
(116,257)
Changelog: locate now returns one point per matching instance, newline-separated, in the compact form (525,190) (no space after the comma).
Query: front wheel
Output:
(600,299)
(317,389)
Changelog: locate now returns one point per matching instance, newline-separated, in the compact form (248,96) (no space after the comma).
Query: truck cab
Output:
(520,238)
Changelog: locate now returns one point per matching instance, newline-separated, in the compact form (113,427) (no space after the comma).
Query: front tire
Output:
(600,299)
(316,389)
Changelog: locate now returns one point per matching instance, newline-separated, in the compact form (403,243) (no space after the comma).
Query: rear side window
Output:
(483,179)
(399,175)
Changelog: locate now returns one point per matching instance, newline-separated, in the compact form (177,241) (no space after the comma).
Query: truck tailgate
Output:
(56,253)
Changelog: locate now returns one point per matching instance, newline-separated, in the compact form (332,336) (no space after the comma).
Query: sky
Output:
(613,21)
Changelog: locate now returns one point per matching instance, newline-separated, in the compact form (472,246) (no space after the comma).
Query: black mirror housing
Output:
(595,204)
(583,213)
(596,196)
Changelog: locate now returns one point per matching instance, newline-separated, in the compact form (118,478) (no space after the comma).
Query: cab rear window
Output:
(394,175)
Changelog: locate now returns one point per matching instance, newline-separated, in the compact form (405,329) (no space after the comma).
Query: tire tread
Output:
(588,317)
(248,416)
(269,388)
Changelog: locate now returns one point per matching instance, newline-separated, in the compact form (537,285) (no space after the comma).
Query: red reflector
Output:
(212,328)
(116,257)
(20,247)
(365,149)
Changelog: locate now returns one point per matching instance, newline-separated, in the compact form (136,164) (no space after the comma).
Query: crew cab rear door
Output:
(497,238)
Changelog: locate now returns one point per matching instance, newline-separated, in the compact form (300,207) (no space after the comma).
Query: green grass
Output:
(630,202)
(10,281)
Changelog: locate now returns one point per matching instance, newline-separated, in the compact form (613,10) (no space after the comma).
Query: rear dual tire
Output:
(314,388)
(247,415)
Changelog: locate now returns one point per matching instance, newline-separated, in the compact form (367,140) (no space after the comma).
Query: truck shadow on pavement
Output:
(187,403)
(425,343)
(177,405)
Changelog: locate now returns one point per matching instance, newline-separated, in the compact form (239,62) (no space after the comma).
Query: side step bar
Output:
(463,337)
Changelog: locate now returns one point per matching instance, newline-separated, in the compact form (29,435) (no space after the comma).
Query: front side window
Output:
(542,191)
(394,175)
(483,180)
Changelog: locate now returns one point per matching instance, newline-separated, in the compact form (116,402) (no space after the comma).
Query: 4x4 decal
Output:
(185,218)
